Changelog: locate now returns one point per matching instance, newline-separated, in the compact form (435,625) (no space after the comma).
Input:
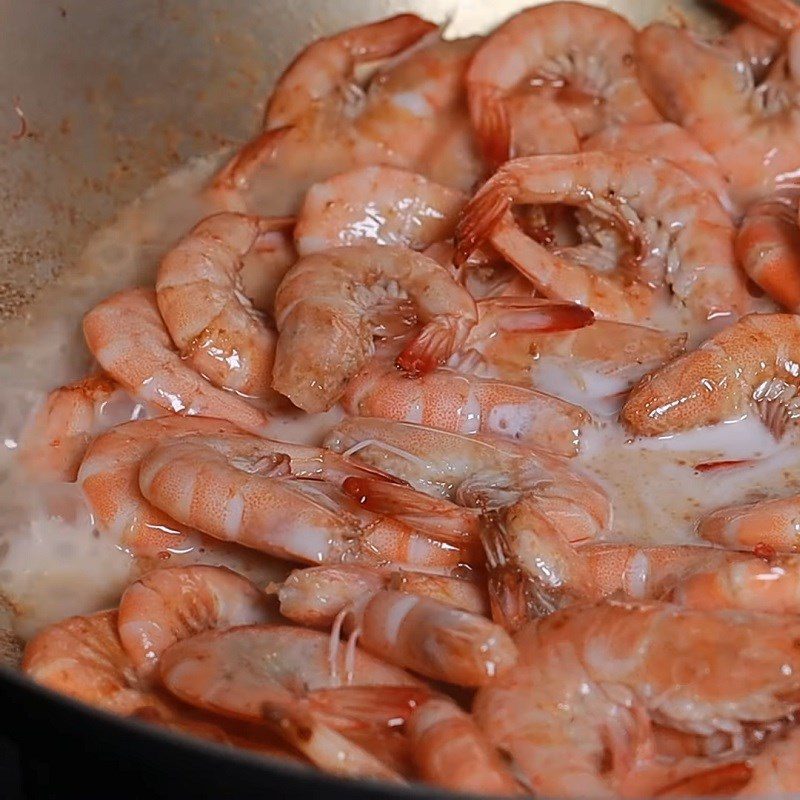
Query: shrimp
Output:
(476,472)
(83,657)
(168,605)
(580,56)
(199,293)
(127,337)
(678,231)
(331,305)
(384,205)
(319,80)
(750,364)
(316,595)
(671,142)
(606,357)
(296,686)
(771,523)
(539,126)
(55,438)
(768,245)
(464,403)
(740,109)
(224,487)
(574,715)
(109,478)
(450,751)
(413,630)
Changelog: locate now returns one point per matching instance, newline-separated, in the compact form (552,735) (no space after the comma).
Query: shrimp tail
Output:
(437,517)
(236,174)
(524,315)
(479,218)
(726,780)
(492,125)
(778,17)
(434,344)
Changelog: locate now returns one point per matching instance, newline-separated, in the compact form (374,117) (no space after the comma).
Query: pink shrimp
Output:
(768,245)
(168,605)
(384,205)
(751,364)
(200,297)
(295,687)
(581,56)
(678,231)
(332,304)
(224,486)
(55,438)
(127,337)
(464,403)
(574,717)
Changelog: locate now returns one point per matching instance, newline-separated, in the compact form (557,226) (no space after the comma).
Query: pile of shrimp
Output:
(453,610)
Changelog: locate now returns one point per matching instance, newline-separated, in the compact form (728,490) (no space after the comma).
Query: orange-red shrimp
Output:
(127,336)
(753,363)
(332,304)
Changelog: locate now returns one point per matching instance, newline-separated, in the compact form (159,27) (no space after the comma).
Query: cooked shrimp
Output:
(773,523)
(465,403)
(168,605)
(743,111)
(200,296)
(539,126)
(316,595)
(751,363)
(384,205)
(55,438)
(671,142)
(294,673)
(82,657)
(109,477)
(580,56)
(450,751)
(475,471)
(768,245)
(678,231)
(323,74)
(219,485)
(574,715)
(127,337)
(332,304)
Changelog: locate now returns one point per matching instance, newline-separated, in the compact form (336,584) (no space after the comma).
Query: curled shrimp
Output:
(768,245)
(450,751)
(464,403)
(385,205)
(475,472)
(576,55)
(751,364)
(236,489)
(671,142)
(741,106)
(55,439)
(126,335)
(311,697)
(414,630)
(168,605)
(199,292)
(331,305)
(670,230)
(316,595)
(109,478)
(695,671)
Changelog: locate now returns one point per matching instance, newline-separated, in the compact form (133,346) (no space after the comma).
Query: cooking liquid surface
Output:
(53,563)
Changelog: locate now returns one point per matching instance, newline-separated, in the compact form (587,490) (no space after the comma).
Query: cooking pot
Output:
(97,101)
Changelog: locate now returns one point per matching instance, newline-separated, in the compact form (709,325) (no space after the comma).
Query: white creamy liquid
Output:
(53,563)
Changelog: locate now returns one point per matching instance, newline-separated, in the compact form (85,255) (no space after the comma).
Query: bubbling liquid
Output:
(54,563)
